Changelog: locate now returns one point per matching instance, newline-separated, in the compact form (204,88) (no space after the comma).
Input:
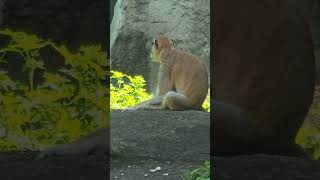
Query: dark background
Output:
(71,22)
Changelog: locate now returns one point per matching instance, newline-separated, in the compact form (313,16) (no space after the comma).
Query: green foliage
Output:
(201,173)
(28,47)
(126,90)
(308,136)
(60,109)
(206,103)
(309,139)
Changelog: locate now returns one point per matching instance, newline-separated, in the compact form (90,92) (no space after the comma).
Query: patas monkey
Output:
(182,79)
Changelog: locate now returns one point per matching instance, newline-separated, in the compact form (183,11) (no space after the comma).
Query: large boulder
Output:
(175,141)
(161,134)
(136,23)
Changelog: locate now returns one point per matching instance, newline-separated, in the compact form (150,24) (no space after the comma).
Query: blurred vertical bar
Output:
(212,87)
(54,84)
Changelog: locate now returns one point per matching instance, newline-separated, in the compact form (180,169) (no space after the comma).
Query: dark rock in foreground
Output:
(141,141)
(265,167)
(22,166)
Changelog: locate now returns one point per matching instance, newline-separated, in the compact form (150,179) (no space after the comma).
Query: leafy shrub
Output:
(206,103)
(309,139)
(60,109)
(201,173)
(126,90)
(308,136)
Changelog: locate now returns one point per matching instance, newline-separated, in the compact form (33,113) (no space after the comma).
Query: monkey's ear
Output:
(172,41)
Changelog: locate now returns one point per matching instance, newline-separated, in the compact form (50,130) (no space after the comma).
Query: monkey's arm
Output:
(97,142)
(164,85)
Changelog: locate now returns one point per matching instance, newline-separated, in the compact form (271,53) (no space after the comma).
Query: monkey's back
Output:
(190,76)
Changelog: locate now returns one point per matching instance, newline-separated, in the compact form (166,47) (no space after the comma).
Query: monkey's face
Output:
(158,45)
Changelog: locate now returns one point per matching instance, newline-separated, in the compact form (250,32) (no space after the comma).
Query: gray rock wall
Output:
(112,4)
(137,22)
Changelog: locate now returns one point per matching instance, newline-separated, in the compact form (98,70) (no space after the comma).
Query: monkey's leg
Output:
(177,102)
(152,104)
(232,130)
(97,142)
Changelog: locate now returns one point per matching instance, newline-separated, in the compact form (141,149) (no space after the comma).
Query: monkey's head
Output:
(159,45)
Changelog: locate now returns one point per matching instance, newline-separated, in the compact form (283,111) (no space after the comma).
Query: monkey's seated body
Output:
(182,79)
(182,85)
